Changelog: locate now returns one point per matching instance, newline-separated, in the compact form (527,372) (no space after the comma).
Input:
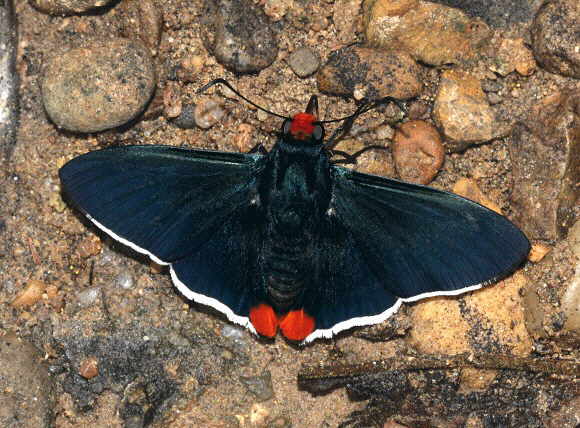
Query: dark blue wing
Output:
(404,241)
(161,200)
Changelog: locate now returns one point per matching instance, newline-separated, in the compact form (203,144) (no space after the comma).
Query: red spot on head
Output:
(302,126)
(264,320)
(297,325)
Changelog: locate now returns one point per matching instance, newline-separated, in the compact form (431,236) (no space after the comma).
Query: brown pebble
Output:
(91,246)
(418,151)
(243,139)
(89,368)
(155,268)
(208,112)
(31,294)
(469,189)
(538,252)
(417,109)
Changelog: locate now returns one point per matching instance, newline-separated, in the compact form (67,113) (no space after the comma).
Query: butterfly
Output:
(288,240)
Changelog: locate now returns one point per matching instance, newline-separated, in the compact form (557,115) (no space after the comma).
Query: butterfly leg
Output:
(258,148)
(352,158)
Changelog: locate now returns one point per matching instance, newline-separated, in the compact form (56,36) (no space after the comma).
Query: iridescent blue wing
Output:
(161,200)
(185,207)
(403,242)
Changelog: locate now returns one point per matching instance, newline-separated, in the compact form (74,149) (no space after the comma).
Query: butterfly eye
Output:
(286,126)
(318,132)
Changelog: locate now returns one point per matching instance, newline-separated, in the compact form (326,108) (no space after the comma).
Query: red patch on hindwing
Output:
(302,126)
(264,320)
(297,325)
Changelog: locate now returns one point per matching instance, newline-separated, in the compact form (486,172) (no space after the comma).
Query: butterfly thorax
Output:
(296,189)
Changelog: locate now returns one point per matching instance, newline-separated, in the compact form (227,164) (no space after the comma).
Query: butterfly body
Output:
(295,192)
(288,240)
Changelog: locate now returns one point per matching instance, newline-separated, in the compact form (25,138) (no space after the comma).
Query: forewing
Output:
(162,201)
(421,240)
(402,241)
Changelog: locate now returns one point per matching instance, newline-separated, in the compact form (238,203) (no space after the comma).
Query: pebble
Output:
(468,188)
(238,34)
(142,21)
(124,280)
(377,74)
(31,294)
(556,37)
(414,25)
(89,296)
(259,386)
(90,246)
(208,112)
(418,151)
(538,252)
(28,389)
(186,119)
(99,86)
(304,62)
(244,139)
(462,112)
(67,7)
(233,333)
(545,155)
(8,79)
(514,55)
(89,368)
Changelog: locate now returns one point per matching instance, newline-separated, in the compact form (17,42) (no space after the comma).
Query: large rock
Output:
(99,86)
(238,34)
(545,152)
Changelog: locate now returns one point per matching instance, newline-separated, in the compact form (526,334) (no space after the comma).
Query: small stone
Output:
(238,34)
(538,252)
(89,368)
(418,151)
(91,246)
(31,294)
(304,62)
(67,7)
(462,112)
(515,53)
(28,389)
(556,37)
(259,386)
(545,154)
(208,112)
(382,74)
(468,188)
(243,141)
(417,110)
(89,296)
(174,109)
(56,202)
(101,85)
(124,280)
(414,26)
(186,119)
(233,333)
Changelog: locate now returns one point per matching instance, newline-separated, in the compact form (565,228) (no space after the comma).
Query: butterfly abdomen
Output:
(286,273)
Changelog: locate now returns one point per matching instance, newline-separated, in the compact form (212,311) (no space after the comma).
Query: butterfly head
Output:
(305,126)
